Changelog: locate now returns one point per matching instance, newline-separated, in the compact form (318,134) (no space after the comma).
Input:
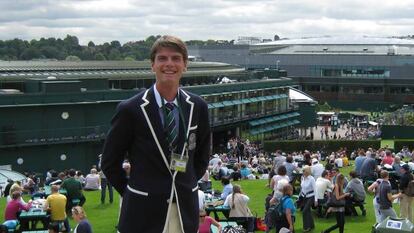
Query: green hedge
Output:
(315,145)
(400,143)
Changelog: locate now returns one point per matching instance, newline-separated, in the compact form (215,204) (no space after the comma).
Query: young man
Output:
(165,132)
(56,204)
(386,198)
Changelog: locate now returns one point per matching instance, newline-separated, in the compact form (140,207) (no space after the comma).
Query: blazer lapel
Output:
(187,107)
(152,116)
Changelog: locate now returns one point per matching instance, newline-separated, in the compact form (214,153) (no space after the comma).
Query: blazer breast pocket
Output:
(192,137)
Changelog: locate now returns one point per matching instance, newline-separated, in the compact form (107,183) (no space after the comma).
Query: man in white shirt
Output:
(317,168)
(322,185)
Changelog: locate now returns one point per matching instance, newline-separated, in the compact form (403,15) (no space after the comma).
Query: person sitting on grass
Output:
(79,216)
(205,223)
(92,181)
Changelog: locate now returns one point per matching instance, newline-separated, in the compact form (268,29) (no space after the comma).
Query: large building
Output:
(56,114)
(348,72)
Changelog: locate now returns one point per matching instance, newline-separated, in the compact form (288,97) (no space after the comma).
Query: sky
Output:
(132,20)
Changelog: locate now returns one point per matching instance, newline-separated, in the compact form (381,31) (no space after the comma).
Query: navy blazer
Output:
(137,131)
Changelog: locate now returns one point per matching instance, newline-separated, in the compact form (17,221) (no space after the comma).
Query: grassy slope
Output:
(104,217)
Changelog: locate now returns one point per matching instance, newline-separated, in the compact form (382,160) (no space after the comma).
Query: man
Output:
(278,161)
(369,168)
(405,200)
(74,191)
(358,194)
(227,188)
(317,168)
(358,161)
(105,184)
(386,198)
(56,204)
(322,185)
(165,132)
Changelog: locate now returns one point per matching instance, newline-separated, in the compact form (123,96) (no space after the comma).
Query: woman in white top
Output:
(92,180)
(307,186)
(279,181)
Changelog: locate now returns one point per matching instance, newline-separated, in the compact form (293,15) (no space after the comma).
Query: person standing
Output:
(386,198)
(405,200)
(307,186)
(105,184)
(74,190)
(165,132)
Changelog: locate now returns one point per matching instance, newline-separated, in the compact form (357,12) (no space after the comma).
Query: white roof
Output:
(344,40)
(325,113)
(296,95)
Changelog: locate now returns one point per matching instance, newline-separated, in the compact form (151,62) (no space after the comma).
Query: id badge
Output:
(177,163)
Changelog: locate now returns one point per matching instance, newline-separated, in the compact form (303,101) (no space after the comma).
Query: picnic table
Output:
(214,229)
(32,217)
(225,210)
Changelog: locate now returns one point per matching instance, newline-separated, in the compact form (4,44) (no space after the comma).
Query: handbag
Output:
(300,202)
(333,202)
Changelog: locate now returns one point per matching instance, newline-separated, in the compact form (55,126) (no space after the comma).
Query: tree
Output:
(91,44)
(276,37)
(31,53)
(100,57)
(129,58)
(72,58)
(114,55)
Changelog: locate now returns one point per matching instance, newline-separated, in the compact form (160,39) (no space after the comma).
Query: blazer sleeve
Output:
(202,152)
(117,143)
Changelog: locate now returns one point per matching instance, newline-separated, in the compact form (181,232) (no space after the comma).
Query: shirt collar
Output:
(158,97)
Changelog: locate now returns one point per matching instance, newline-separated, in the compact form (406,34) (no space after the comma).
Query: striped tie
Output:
(172,137)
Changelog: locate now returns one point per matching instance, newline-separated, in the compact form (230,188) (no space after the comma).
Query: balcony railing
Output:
(52,136)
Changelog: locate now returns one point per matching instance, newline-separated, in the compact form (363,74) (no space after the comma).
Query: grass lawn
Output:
(104,217)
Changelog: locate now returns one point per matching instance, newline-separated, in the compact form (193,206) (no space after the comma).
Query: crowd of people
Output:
(321,187)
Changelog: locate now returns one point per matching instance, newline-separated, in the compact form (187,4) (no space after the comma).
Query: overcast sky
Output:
(132,20)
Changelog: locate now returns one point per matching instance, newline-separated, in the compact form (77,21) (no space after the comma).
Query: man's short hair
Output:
(171,42)
(72,172)
(383,174)
(325,173)
(225,180)
(55,188)
(353,174)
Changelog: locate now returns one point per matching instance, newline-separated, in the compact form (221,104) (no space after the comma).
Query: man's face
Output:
(168,66)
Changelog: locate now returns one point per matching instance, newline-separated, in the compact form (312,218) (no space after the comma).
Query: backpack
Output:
(233,229)
(275,214)
(409,191)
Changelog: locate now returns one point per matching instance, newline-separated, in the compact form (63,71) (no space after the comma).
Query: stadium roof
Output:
(338,45)
(354,40)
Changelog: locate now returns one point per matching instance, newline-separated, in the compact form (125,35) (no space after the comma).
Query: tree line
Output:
(70,49)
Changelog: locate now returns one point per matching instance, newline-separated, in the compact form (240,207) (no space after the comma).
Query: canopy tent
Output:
(373,123)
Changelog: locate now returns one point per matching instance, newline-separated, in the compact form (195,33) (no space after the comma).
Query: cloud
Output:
(131,20)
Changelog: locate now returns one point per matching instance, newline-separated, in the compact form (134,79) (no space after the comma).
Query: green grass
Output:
(389,143)
(104,217)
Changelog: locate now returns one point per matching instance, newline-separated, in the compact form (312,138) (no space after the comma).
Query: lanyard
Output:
(181,116)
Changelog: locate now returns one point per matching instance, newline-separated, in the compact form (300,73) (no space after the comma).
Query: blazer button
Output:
(168,201)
